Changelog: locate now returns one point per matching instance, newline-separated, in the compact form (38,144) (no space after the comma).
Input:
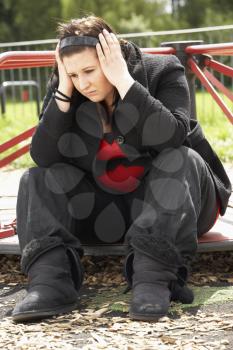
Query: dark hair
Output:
(86,26)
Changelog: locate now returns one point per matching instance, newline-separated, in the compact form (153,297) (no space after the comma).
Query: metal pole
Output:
(183,57)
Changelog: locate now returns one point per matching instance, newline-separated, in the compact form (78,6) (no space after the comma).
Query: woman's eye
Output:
(73,76)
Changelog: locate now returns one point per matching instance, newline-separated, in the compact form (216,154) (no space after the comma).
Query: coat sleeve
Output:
(162,111)
(53,124)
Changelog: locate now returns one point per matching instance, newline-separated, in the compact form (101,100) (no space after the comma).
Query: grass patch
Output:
(114,299)
(22,116)
(216,126)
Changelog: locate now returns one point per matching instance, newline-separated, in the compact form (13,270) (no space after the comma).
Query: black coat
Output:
(154,115)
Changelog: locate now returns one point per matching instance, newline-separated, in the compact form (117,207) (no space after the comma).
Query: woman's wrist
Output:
(63,106)
(124,85)
(62,96)
(65,90)
(59,95)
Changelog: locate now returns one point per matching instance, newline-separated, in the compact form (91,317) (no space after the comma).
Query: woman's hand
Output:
(65,83)
(112,62)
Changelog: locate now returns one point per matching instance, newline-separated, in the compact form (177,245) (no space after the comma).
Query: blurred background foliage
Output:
(36,20)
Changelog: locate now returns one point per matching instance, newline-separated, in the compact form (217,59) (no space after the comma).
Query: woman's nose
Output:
(83,83)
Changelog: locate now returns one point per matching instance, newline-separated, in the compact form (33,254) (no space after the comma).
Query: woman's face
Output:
(87,76)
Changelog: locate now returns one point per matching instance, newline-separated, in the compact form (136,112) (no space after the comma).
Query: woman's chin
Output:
(95,98)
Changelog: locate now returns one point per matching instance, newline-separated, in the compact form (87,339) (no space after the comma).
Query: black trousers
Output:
(176,199)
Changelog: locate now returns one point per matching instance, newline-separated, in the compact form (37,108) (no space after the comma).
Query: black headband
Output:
(76,40)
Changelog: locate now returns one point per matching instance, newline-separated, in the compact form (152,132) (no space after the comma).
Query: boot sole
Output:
(39,314)
(145,317)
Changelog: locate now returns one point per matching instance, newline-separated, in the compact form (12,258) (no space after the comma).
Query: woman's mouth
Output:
(91,93)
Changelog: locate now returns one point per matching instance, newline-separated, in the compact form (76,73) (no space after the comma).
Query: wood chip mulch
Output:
(92,328)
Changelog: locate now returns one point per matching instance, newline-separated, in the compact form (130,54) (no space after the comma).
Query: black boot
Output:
(151,293)
(180,292)
(51,288)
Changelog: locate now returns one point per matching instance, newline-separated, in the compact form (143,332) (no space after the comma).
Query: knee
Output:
(189,153)
(35,174)
(62,178)
(193,160)
(24,179)
(24,176)
(172,160)
(59,172)
(177,154)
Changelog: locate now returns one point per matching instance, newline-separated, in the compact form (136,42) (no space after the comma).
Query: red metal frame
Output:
(211,49)
(209,87)
(160,50)
(219,67)
(207,79)
(218,84)
(13,142)
(26,59)
(8,230)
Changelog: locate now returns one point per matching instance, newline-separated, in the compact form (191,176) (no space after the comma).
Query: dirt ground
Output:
(101,321)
